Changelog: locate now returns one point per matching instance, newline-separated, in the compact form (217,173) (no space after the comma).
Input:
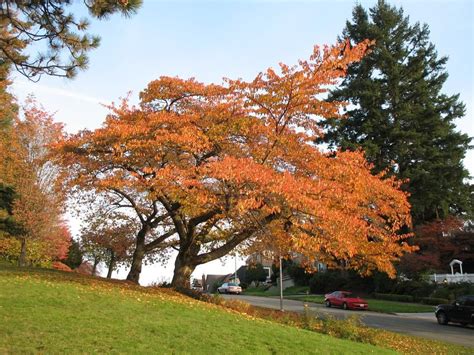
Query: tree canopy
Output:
(214,167)
(399,114)
(33,230)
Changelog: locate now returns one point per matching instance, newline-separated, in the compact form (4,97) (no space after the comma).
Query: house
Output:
(259,258)
(196,284)
(267,261)
(211,282)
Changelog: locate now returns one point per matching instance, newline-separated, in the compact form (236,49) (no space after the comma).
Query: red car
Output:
(345,300)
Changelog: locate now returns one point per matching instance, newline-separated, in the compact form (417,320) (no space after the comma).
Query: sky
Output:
(210,40)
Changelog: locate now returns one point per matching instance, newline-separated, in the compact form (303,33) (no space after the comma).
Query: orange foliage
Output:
(236,164)
(27,167)
(57,265)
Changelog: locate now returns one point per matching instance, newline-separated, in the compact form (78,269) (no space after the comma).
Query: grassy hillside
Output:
(49,311)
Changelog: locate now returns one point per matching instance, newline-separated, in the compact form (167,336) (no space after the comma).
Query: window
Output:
(470,301)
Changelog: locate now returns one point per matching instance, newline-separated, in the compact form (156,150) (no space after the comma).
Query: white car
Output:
(230,287)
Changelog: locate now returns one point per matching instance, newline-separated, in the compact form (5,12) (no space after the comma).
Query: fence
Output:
(438,278)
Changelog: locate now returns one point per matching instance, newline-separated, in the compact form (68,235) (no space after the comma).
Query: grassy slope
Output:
(46,312)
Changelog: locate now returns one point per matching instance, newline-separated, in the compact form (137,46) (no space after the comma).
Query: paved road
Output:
(419,324)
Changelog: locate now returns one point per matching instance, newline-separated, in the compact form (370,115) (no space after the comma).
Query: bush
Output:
(383,283)
(391,297)
(417,289)
(434,301)
(329,281)
(57,265)
(213,288)
(299,274)
(453,291)
(255,273)
(349,328)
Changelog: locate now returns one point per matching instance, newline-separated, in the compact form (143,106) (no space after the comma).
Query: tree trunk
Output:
(182,272)
(94,267)
(138,255)
(22,258)
(111,264)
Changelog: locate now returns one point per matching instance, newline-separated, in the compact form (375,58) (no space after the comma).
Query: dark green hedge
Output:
(434,301)
(390,297)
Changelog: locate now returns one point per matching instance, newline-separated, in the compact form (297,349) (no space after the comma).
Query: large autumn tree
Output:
(214,167)
(400,115)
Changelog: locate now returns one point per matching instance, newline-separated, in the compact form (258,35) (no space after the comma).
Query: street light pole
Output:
(281,286)
(235,273)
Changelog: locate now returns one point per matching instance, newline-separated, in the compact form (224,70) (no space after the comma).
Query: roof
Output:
(211,279)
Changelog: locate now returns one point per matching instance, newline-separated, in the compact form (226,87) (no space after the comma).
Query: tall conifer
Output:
(399,114)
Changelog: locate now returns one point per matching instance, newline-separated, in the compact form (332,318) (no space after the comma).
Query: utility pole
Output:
(235,273)
(281,286)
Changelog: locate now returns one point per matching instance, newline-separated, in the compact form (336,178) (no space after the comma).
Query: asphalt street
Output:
(418,324)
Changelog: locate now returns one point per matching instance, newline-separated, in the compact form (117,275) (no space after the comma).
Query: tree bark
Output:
(111,264)
(22,258)
(94,268)
(182,272)
(138,255)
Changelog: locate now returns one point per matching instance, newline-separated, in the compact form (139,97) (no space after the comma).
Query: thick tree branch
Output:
(195,221)
(132,202)
(154,244)
(235,241)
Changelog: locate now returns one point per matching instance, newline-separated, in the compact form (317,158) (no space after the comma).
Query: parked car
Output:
(460,311)
(230,287)
(345,300)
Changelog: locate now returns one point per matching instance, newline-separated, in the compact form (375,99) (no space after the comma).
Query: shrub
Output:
(244,285)
(453,291)
(213,288)
(161,284)
(299,274)
(57,265)
(329,281)
(85,268)
(434,301)
(255,273)
(349,328)
(383,283)
(215,299)
(391,297)
(417,289)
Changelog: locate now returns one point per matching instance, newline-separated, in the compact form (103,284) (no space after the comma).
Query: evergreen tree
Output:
(399,115)
(75,255)
(48,24)
(8,225)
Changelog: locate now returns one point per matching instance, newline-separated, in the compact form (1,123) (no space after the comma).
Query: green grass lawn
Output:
(54,312)
(297,293)
(376,305)
(274,291)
